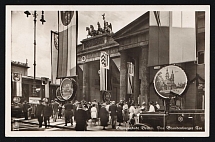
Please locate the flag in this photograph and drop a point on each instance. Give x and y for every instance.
(171, 37)
(17, 84)
(130, 66)
(54, 56)
(67, 28)
(104, 60)
(104, 67)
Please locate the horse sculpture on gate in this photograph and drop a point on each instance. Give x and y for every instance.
(89, 33)
(93, 32)
(100, 30)
(107, 28)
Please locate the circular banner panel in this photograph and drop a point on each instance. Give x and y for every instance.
(16, 99)
(107, 96)
(58, 95)
(68, 88)
(170, 80)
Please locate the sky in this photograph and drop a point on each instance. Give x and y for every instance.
(22, 34)
(21, 29)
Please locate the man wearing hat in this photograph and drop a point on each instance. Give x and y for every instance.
(55, 106)
(113, 114)
(26, 107)
(81, 119)
(39, 113)
(103, 114)
(68, 112)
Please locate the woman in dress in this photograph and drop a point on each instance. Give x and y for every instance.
(151, 107)
(131, 111)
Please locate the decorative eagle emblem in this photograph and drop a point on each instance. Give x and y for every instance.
(16, 76)
(66, 17)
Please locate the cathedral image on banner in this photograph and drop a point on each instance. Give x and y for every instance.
(170, 79)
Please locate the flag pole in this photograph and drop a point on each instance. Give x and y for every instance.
(76, 12)
(106, 80)
(51, 60)
(58, 43)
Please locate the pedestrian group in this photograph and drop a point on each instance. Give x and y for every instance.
(90, 113)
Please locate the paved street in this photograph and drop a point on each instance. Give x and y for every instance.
(32, 125)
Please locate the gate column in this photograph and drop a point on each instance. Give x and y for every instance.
(123, 75)
(85, 81)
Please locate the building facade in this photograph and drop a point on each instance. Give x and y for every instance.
(25, 90)
(131, 45)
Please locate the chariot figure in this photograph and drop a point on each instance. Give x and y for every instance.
(108, 28)
(100, 30)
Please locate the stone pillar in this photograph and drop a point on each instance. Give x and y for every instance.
(123, 75)
(136, 81)
(85, 81)
(144, 75)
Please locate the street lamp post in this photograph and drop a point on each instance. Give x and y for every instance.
(35, 21)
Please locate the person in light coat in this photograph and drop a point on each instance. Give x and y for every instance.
(93, 113)
(151, 107)
(131, 111)
(157, 106)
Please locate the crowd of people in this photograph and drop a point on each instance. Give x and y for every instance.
(91, 113)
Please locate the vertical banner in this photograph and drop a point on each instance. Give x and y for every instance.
(158, 38)
(104, 67)
(182, 37)
(67, 43)
(172, 37)
(54, 56)
(130, 66)
(17, 82)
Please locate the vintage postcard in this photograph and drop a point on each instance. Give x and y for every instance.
(107, 71)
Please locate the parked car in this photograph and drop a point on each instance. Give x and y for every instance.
(16, 110)
(174, 120)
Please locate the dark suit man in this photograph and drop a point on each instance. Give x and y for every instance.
(113, 114)
(81, 119)
(26, 106)
(68, 112)
(39, 113)
(55, 106)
